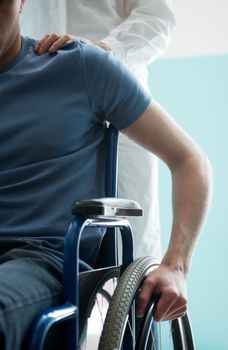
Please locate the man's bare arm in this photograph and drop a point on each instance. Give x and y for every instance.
(191, 192)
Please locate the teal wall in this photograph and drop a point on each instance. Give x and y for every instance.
(195, 92)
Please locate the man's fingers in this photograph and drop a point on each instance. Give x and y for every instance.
(175, 313)
(165, 303)
(144, 297)
(170, 305)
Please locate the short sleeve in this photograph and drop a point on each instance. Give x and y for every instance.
(115, 94)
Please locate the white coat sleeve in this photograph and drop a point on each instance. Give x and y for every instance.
(146, 32)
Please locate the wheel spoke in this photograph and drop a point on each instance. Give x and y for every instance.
(95, 322)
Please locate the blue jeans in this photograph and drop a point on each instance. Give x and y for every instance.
(30, 281)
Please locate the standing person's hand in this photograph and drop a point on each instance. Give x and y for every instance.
(169, 285)
(51, 43)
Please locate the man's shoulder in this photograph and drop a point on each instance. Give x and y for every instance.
(65, 58)
(78, 55)
(82, 52)
(85, 53)
(87, 50)
(90, 58)
(73, 46)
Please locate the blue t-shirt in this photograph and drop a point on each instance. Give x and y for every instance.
(52, 112)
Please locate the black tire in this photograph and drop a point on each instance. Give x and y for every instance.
(121, 310)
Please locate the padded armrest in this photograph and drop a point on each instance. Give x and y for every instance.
(107, 207)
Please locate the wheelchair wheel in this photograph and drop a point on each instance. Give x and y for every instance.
(96, 291)
(123, 331)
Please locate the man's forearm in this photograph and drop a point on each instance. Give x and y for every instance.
(192, 182)
(191, 198)
(156, 131)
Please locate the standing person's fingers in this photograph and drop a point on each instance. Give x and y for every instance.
(44, 47)
(40, 42)
(63, 40)
(51, 43)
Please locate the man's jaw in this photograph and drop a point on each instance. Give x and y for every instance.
(9, 51)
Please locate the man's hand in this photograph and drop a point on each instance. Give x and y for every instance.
(170, 287)
(51, 43)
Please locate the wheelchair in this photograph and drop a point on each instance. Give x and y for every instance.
(91, 290)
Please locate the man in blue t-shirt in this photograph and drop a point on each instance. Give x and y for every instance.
(52, 110)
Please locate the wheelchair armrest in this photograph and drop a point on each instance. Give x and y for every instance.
(107, 207)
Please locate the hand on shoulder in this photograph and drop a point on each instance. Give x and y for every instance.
(52, 42)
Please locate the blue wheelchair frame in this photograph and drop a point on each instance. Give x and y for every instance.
(69, 311)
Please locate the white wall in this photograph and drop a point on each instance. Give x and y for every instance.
(202, 28)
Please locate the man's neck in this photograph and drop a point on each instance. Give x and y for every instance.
(11, 53)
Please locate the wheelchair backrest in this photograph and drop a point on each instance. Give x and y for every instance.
(111, 135)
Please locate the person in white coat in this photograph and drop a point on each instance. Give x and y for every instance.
(136, 32)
